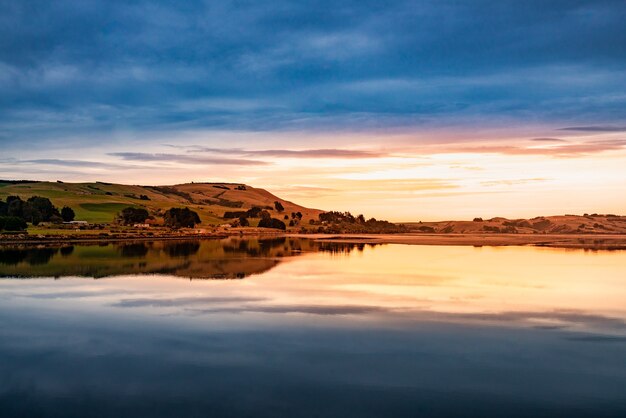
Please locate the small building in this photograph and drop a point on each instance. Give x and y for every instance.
(76, 223)
(141, 226)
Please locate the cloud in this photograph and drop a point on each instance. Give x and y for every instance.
(182, 302)
(548, 140)
(185, 159)
(561, 151)
(512, 182)
(565, 317)
(67, 163)
(595, 338)
(301, 309)
(595, 128)
(306, 153)
(69, 71)
(288, 153)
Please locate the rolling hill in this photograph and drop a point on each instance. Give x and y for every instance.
(561, 224)
(100, 202)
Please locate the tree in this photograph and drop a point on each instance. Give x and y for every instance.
(12, 223)
(265, 215)
(181, 218)
(36, 209)
(67, 214)
(243, 221)
(272, 223)
(279, 206)
(15, 206)
(130, 215)
(41, 207)
(254, 212)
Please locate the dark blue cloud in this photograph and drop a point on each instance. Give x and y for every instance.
(76, 67)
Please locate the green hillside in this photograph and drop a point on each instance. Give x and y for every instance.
(100, 202)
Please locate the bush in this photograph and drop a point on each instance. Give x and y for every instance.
(36, 209)
(67, 214)
(272, 223)
(130, 215)
(40, 208)
(12, 223)
(181, 218)
(243, 222)
(279, 206)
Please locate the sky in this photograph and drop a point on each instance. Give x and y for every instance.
(402, 110)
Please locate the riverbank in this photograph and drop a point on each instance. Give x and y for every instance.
(580, 241)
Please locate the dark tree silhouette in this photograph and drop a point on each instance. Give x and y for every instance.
(130, 215)
(181, 218)
(12, 223)
(272, 223)
(67, 214)
(279, 206)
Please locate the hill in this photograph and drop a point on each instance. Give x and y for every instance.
(100, 202)
(564, 224)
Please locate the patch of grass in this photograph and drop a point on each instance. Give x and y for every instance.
(99, 212)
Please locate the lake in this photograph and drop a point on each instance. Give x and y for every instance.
(290, 327)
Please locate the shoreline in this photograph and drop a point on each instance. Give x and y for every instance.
(573, 241)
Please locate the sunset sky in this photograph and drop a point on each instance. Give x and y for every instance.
(402, 110)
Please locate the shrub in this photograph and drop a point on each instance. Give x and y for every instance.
(181, 218)
(254, 212)
(130, 215)
(235, 214)
(272, 223)
(12, 223)
(67, 214)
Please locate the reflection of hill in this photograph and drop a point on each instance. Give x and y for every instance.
(228, 259)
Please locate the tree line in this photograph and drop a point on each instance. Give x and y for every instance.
(15, 213)
(172, 218)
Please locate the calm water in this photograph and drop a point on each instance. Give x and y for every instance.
(295, 328)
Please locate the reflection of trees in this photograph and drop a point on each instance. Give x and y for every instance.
(133, 250)
(32, 256)
(231, 258)
(181, 249)
(342, 247)
(268, 247)
(41, 256)
(12, 257)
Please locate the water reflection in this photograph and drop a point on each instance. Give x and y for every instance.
(228, 258)
(391, 330)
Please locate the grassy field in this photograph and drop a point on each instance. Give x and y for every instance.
(101, 202)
